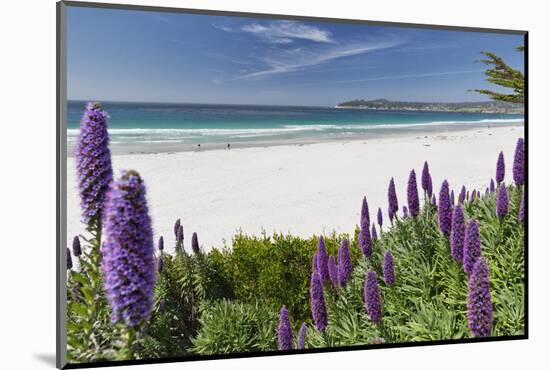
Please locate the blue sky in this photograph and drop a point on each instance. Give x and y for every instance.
(127, 55)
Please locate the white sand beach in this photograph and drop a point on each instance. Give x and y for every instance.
(301, 189)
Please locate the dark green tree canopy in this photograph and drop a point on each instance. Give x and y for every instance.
(503, 75)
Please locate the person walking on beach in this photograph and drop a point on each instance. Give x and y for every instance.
(228, 146)
(199, 147)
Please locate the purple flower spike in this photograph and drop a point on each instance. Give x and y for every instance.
(128, 251)
(302, 336)
(405, 212)
(412, 195)
(161, 244)
(387, 268)
(393, 206)
(502, 201)
(365, 216)
(521, 213)
(365, 241)
(457, 234)
(177, 225)
(322, 259)
(519, 163)
(317, 301)
(480, 308)
(472, 246)
(284, 332)
(69, 260)
(501, 168)
(380, 217)
(333, 271)
(462, 195)
(427, 180)
(77, 249)
(473, 196)
(179, 234)
(434, 200)
(93, 163)
(372, 297)
(314, 267)
(195, 243)
(345, 267)
(445, 211)
(492, 186)
(373, 234)
(160, 264)
(452, 197)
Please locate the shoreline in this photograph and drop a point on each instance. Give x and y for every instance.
(417, 132)
(300, 189)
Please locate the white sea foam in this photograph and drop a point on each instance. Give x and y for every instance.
(167, 135)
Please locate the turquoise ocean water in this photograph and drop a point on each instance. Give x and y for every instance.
(140, 124)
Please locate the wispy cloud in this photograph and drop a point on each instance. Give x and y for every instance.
(284, 32)
(285, 61)
(222, 27)
(394, 77)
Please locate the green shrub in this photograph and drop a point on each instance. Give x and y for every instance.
(231, 327)
(276, 269)
(186, 282)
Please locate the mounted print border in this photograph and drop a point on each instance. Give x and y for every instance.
(116, 287)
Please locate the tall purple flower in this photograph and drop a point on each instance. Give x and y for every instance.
(177, 225)
(161, 243)
(462, 195)
(405, 212)
(365, 241)
(93, 163)
(427, 180)
(128, 260)
(434, 200)
(179, 234)
(372, 297)
(195, 243)
(365, 216)
(393, 206)
(457, 234)
(284, 331)
(519, 163)
(314, 267)
(492, 186)
(344, 263)
(412, 195)
(502, 201)
(322, 259)
(160, 264)
(317, 302)
(445, 210)
(472, 246)
(77, 249)
(473, 195)
(501, 168)
(479, 306)
(69, 260)
(333, 271)
(387, 268)
(373, 233)
(302, 336)
(521, 213)
(380, 217)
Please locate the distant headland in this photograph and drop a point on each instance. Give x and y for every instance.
(467, 107)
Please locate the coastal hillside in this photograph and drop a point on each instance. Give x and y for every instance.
(472, 107)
